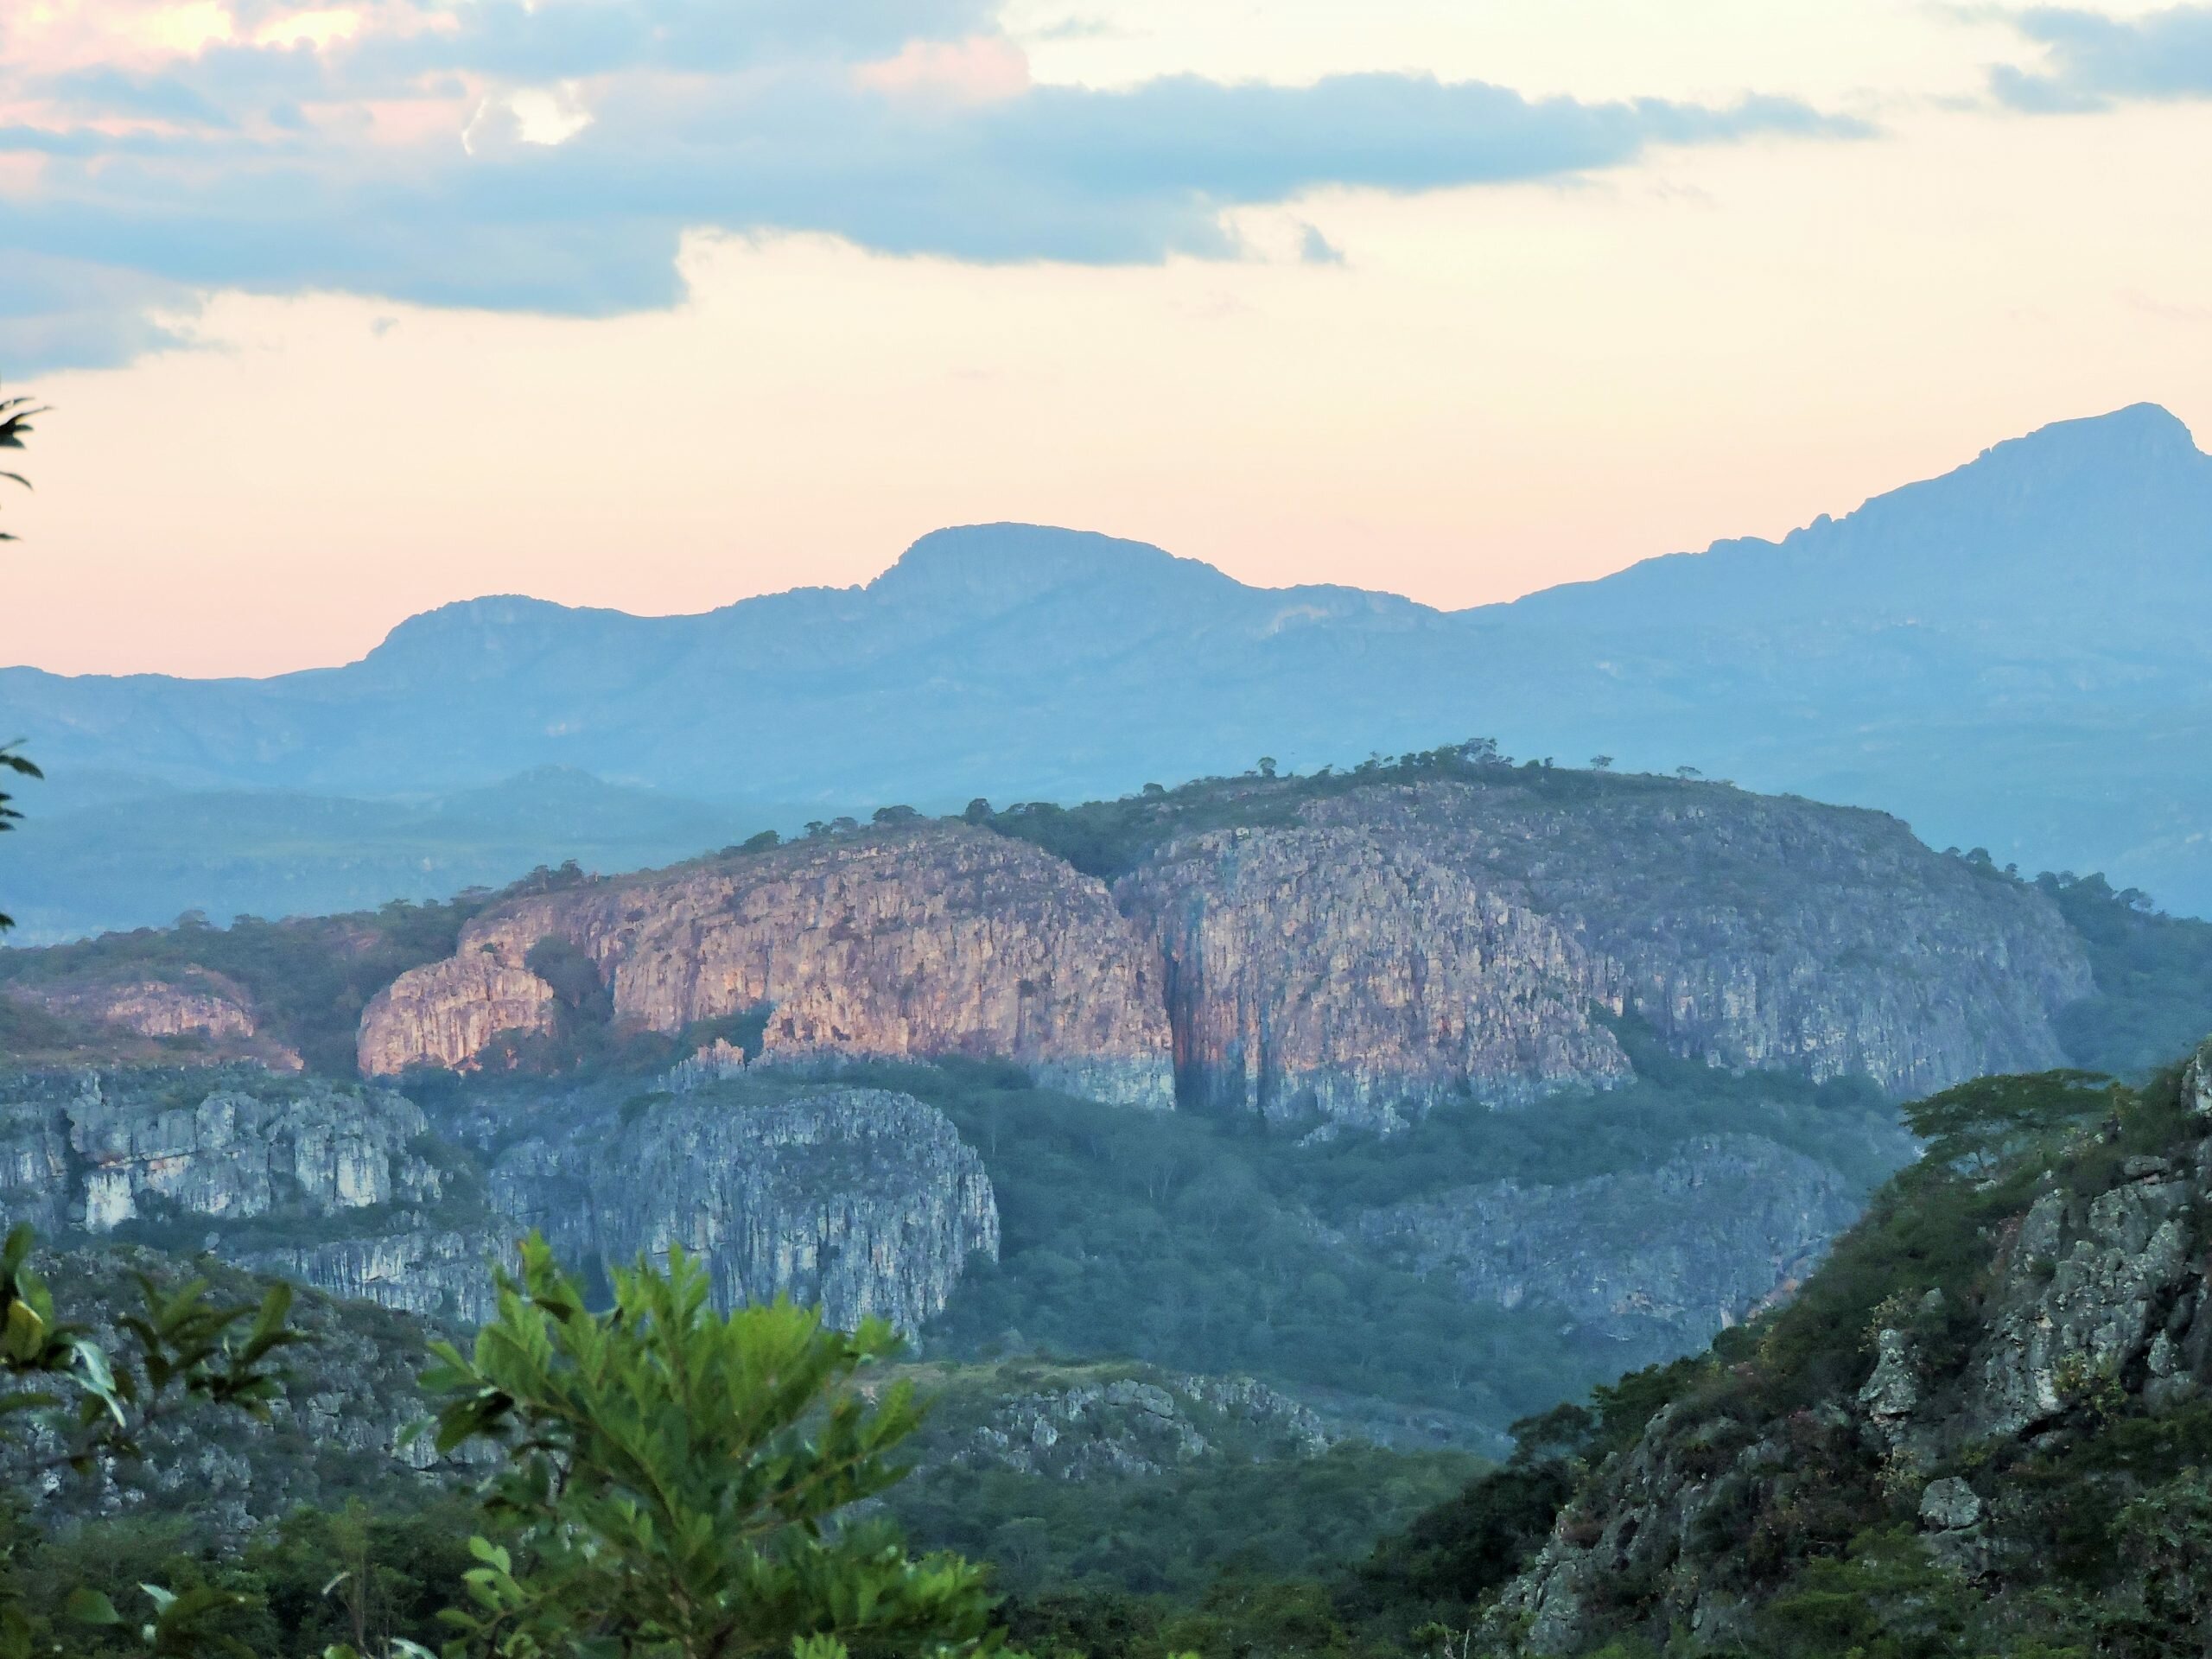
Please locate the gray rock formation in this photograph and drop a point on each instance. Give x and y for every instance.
(416, 1266)
(1660, 1259)
(2197, 1080)
(2087, 1286)
(1138, 1425)
(2088, 1307)
(864, 1202)
(96, 1151)
(237, 1155)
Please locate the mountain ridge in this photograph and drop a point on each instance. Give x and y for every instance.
(1990, 653)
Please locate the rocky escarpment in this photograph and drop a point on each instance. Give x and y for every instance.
(1330, 972)
(913, 943)
(1345, 956)
(864, 1202)
(447, 1013)
(1143, 1423)
(1411, 940)
(1657, 1260)
(95, 1151)
(416, 1265)
(2014, 1373)
(192, 1003)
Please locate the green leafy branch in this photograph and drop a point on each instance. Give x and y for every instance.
(672, 1474)
(84, 1407)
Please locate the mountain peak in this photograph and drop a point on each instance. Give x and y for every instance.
(2139, 437)
(992, 567)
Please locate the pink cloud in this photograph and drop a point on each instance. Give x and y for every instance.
(980, 69)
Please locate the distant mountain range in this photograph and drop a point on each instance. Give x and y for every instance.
(2015, 655)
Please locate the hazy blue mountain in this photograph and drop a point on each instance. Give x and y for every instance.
(2011, 655)
(131, 860)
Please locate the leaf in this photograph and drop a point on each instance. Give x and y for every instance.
(90, 1607)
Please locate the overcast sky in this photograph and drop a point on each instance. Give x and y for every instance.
(350, 309)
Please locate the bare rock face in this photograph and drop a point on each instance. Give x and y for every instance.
(326, 1184)
(416, 1266)
(1658, 1259)
(192, 1001)
(195, 1002)
(445, 1014)
(1351, 960)
(863, 1202)
(1758, 931)
(2196, 1079)
(236, 1155)
(1343, 973)
(917, 943)
(2087, 1288)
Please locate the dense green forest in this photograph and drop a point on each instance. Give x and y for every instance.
(1193, 1242)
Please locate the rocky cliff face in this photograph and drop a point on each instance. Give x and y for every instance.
(902, 944)
(196, 1001)
(1349, 957)
(1753, 931)
(237, 1155)
(1985, 1415)
(864, 1202)
(1330, 971)
(1657, 1260)
(98, 1151)
(193, 1002)
(445, 1014)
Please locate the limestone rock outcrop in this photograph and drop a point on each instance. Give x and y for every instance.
(209, 1011)
(99, 1152)
(445, 1012)
(1656, 1260)
(2196, 1079)
(863, 1202)
(1337, 973)
(1762, 930)
(2088, 1287)
(1346, 959)
(2073, 1326)
(194, 1001)
(912, 943)
(414, 1265)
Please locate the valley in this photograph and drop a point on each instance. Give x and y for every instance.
(1140, 1119)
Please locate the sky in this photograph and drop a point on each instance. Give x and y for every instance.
(349, 308)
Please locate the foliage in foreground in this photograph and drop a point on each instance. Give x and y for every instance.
(672, 1479)
(77, 1407)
